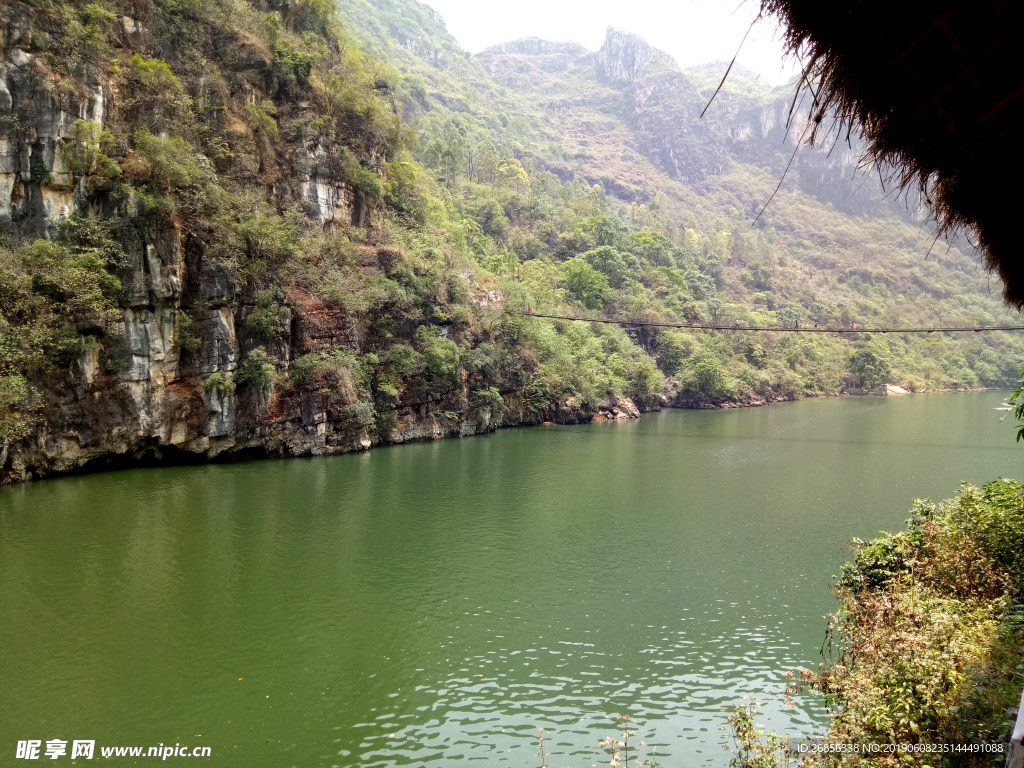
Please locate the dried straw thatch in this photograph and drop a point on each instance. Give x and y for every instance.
(936, 88)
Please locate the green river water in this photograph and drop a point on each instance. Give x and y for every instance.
(437, 603)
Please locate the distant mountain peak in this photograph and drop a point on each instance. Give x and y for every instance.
(536, 46)
(626, 57)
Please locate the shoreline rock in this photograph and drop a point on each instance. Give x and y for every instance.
(295, 427)
(312, 433)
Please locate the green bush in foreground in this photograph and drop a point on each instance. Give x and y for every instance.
(931, 627)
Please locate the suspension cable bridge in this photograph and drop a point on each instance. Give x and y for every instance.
(774, 329)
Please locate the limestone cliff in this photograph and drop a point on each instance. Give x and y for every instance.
(158, 376)
(666, 107)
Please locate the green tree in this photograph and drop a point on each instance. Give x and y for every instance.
(708, 375)
(613, 264)
(869, 368)
(585, 283)
(609, 231)
(789, 315)
(652, 247)
(256, 371)
(511, 173)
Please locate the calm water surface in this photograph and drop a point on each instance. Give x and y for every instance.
(438, 603)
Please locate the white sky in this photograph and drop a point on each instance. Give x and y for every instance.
(691, 31)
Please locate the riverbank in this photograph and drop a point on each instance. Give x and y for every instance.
(700, 401)
(299, 425)
(930, 637)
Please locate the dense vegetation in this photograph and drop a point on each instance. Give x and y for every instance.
(203, 139)
(929, 637)
(483, 199)
(545, 164)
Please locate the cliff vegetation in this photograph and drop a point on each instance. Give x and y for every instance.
(271, 227)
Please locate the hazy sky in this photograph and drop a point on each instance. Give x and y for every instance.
(692, 31)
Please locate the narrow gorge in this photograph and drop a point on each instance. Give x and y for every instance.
(261, 229)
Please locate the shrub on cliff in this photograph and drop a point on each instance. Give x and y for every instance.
(393, 367)
(271, 318)
(16, 417)
(87, 154)
(256, 371)
(335, 373)
(218, 382)
(53, 290)
(441, 355)
(170, 161)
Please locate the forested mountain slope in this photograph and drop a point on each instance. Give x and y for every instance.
(627, 179)
(261, 227)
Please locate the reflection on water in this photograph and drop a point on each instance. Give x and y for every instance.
(440, 602)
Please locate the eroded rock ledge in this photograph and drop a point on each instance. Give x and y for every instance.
(292, 427)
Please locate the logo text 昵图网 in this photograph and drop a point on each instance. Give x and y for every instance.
(86, 749)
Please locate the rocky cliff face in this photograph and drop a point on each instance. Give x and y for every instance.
(627, 59)
(161, 379)
(663, 105)
(766, 134)
(548, 56)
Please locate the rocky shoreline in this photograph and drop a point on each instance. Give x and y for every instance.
(294, 427)
(302, 429)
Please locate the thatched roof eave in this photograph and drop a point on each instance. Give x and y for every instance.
(936, 90)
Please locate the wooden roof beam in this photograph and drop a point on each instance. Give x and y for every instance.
(934, 100)
(940, 19)
(1001, 103)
